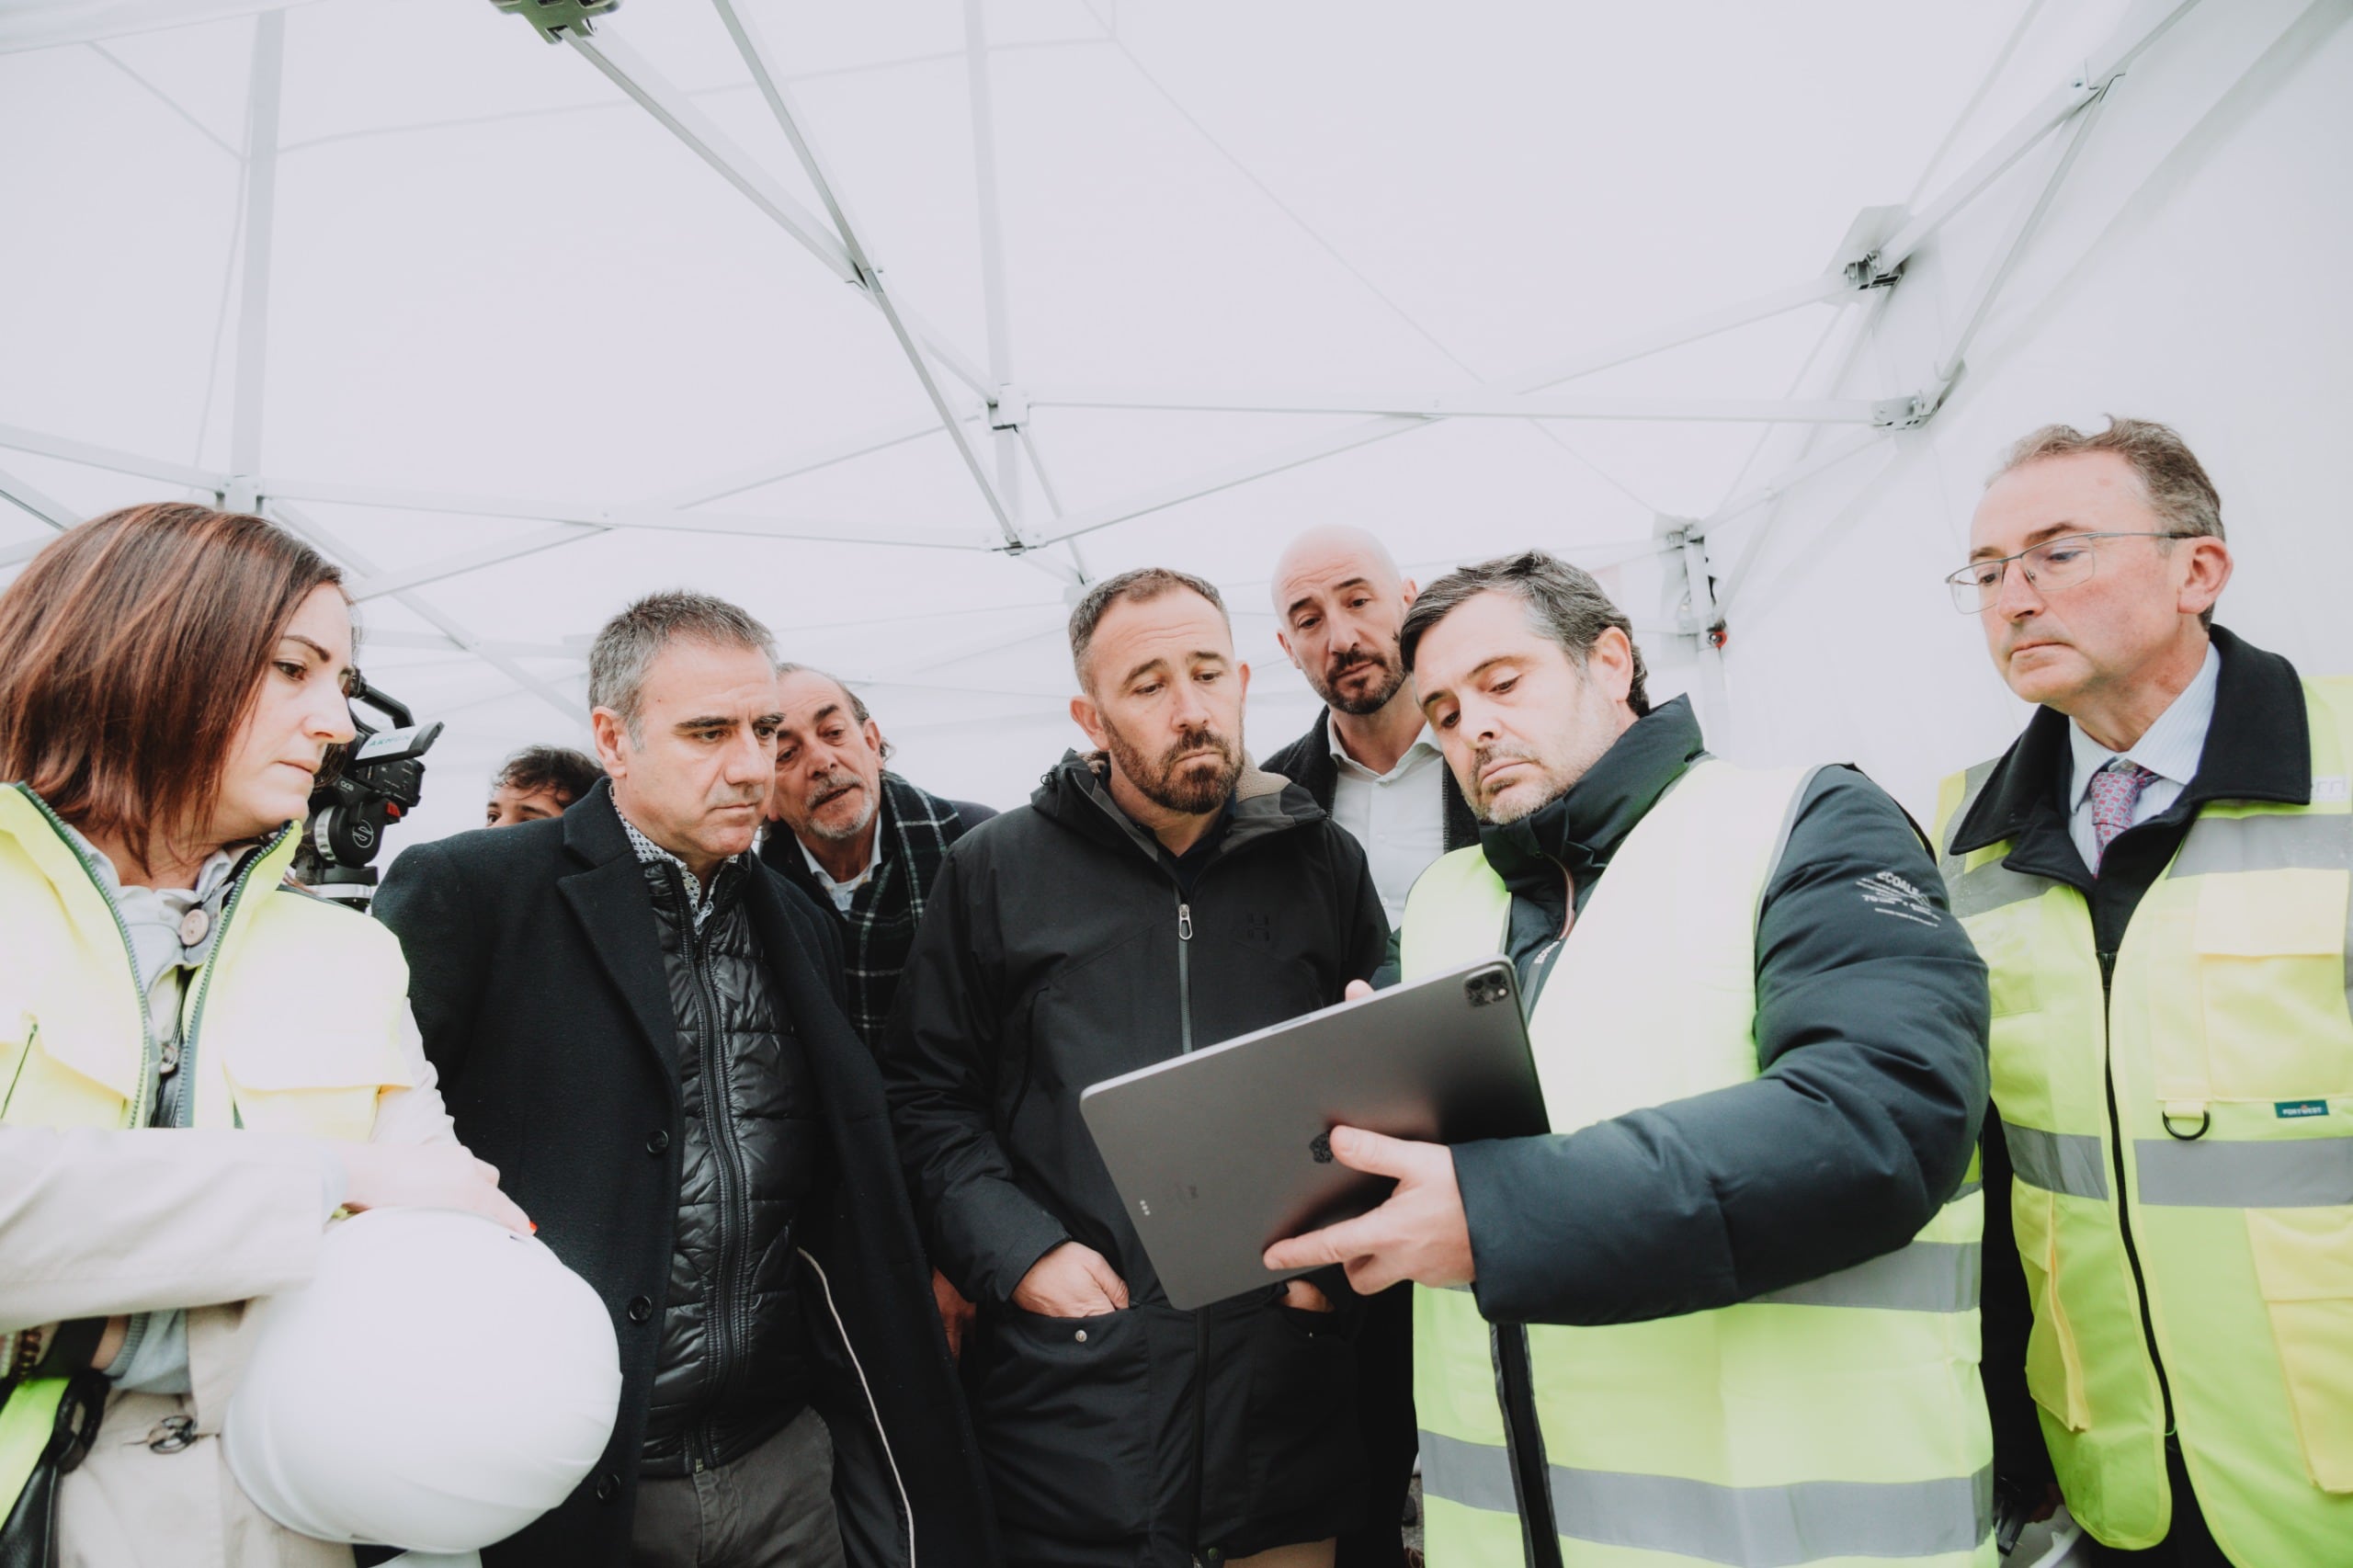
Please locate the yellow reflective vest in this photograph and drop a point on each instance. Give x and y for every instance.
(2183, 1143)
(292, 1025)
(1839, 1420)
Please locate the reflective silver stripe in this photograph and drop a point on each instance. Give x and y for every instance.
(2286, 843)
(1752, 1527)
(1473, 1475)
(2302, 1173)
(1775, 1527)
(1993, 886)
(1925, 1276)
(2058, 1162)
(1973, 784)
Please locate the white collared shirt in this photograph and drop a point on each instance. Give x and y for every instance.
(1399, 816)
(843, 894)
(2170, 748)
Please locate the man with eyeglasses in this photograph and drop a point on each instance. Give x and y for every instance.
(2156, 874)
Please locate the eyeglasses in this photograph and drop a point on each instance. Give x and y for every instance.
(2054, 563)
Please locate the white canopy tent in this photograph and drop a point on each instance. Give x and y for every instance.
(897, 324)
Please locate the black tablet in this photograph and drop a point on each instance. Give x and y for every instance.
(1220, 1153)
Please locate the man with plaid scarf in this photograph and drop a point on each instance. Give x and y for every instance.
(860, 841)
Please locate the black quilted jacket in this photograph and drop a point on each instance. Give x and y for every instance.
(734, 1363)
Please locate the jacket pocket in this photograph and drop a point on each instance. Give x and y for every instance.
(1063, 1414)
(2271, 985)
(2304, 1263)
(2054, 1367)
(1303, 1438)
(314, 1080)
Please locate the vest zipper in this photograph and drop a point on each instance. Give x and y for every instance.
(1184, 976)
(2123, 1207)
(734, 1212)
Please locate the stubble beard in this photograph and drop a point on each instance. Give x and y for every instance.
(1164, 784)
(1374, 697)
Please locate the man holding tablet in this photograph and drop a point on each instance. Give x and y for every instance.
(1727, 1311)
(1157, 896)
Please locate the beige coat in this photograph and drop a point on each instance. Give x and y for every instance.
(204, 1219)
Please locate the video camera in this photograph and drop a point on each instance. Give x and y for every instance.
(380, 779)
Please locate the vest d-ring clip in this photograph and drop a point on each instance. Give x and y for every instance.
(2181, 1112)
(172, 1434)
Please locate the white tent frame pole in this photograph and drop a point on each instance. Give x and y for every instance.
(48, 508)
(265, 90)
(1487, 405)
(659, 98)
(16, 438)
(1006, 437)
(335, 545)
(2100, 70)
(659, 519)
(793, 465)
(747, 45)
(2015, 243)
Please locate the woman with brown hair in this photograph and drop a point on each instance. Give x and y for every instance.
(198, 1062)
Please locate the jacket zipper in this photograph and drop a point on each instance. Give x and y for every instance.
(1200, 1315)
(906, 1509)
(719, 1129)
(1184, 976)
(2123, 1216)
(186, 1110)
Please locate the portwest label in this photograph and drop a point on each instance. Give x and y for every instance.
(2290, 1110)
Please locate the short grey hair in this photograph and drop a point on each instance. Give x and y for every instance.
(628, 645)
(1564, 602)
(2172, 477)
(1141, 585)
(856, 703)
(2173, 481)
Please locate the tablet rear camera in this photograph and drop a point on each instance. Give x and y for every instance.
(1319, 1148)
(1487, 987)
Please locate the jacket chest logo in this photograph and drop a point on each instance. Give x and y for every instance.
(1258, 930)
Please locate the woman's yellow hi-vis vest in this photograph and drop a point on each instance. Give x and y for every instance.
(292, 1025)
(2214, 1093)
(1840, 1421)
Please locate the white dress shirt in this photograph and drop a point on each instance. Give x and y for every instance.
(1399, 816)
(2170, 748)
(843, 894)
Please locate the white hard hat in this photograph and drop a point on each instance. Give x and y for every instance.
(439, 1383)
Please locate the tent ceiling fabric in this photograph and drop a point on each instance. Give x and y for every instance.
(1477, 278)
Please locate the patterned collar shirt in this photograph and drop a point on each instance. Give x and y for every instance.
(2170, 748)
(650, 853)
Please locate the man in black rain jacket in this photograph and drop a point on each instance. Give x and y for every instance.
(1153, 898)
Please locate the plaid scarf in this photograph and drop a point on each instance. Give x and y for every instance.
(879, 927)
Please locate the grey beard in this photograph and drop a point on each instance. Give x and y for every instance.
(843, 834)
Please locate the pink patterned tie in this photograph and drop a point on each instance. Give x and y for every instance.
(2116, 788)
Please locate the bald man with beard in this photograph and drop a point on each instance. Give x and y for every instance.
(1370, 761)
(1369, 758)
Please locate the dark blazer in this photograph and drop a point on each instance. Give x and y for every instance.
(539, 985)
(1307, 762)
